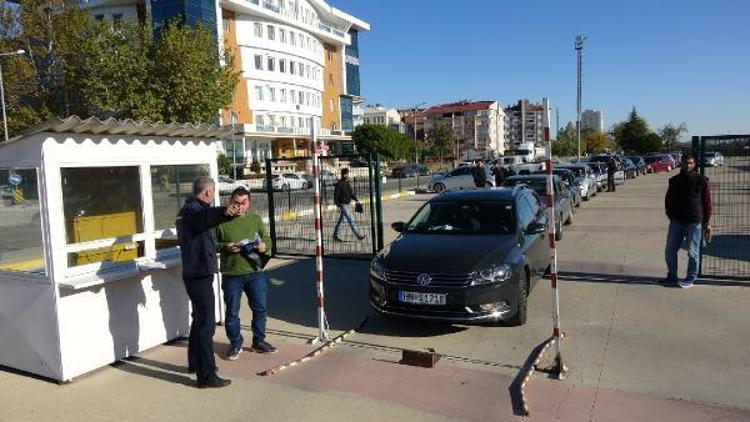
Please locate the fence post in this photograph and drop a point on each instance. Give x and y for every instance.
(271, 208)
(371, 191)
(378, 202)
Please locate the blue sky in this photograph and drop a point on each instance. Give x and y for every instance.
(676, 61)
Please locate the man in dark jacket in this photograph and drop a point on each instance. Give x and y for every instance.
(480, 175)
(688, 206)
(611, 170)
(500, 173)
(195, 223)
(342, 197)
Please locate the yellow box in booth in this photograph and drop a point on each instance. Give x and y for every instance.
(89, 228)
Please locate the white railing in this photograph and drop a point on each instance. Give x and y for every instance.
(287, 130)
(292, 14)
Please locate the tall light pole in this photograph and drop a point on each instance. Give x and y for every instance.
(2, 87)
(579, 52)
(416, 147)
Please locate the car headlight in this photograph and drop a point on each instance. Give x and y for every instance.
(495, 274)
(377, 269)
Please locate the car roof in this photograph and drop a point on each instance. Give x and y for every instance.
(477, 194)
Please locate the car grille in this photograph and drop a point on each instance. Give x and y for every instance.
(438, 280)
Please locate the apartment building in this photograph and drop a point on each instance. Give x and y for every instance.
(592, 120)
(524, 124)
(478, 127)
(413, 119)
(382, 116)
(299, 63)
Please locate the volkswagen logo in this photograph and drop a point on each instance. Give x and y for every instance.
(424, 279)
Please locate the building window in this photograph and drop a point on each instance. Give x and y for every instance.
(282, 35)
(271, 32)
(291, 97)
(331, 104)
(333, 125)
(292, 38)
(282, 95)
(307, 71)
(282, 65)
(260, 120)
(308, 99)
(329, 55)
(258, 30)
(330, 79)
(292, 67)
(259, 62)
(170, 186)
(294, 96)
(225, 24)
(271, 94)
(271, 64)
(259, 93)
(301, 69)
(301, 98)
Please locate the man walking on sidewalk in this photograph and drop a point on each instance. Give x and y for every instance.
(688, 206)
(342, 197)
(195, 224)
(611, 170)
(480, 174)
(242, 272)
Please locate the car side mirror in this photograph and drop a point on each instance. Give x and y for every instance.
(399, 226)
(536, 228)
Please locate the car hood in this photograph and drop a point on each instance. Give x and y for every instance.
(437, 253)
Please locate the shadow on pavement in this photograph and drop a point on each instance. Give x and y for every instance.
(587, 277)
(153, 369)
(730, 246)
(292, 298)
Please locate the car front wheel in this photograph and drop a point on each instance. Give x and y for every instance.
(523, 295)
(439, 187)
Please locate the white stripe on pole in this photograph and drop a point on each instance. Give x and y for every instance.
(315, 148)
(559, 366)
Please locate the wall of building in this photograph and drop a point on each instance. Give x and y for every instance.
(240, 102)
(332, 88)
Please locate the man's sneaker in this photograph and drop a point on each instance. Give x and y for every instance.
(263, 347)
(233, 353)
(686, 284)
(213, 382)
(668, 282)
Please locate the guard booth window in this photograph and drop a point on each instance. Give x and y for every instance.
(103, 203)
(21, 248)
(170, 186)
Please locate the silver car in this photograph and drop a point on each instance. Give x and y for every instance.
(461, 177)
(585, 179)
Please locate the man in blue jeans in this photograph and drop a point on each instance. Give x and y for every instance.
(342, 197)
(242, 272)
(688, 206)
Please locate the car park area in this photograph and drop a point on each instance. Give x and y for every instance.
(635, 350)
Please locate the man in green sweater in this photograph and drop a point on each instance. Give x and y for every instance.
(242, 271)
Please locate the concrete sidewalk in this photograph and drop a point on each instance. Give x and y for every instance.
(636, 351)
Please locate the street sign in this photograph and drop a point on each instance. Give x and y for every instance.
(14, 178)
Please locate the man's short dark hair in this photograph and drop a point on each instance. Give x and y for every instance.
(240, 191)
(688, 155)
(344, 171)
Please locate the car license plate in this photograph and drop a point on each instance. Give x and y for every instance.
(422, 298)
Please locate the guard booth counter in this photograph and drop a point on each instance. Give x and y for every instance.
(90, 270)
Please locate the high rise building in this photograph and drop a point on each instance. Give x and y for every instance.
(478, 127)
(592, 120)
(524, 124)
(299, 59)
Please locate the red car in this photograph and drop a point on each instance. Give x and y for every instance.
(657, 163)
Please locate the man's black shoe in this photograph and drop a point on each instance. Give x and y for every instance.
(213, 382)
(263, 347)
(190, 370)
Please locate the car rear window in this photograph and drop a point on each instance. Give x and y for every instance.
(464, 217)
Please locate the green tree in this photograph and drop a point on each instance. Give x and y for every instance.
(632, 134)
(670, 134)
(386, 141)
(225, 165)
(652, 142)
(596, 142)
(566, 144)
(440, 141)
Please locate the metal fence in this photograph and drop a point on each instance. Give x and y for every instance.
(291, 214)
(725, 160)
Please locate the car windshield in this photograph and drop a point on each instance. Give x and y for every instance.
(710, 154)
(538, 185)
(466, 217)
(577, 171)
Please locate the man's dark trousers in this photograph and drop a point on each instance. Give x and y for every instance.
(201, 344)
(610, 183)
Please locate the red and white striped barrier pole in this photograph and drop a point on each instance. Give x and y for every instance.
(559, 366)
(322, 321)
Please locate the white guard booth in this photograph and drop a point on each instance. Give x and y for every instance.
(90, 271)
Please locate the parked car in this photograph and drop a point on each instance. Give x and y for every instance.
(289, 181)
(227, 185)
(327, 178)
(465, 256)
(584, 179)
(713, 159)
(563, 203)
(409, 170)
(569, 183)
(656, 163)
(601, 176)
(462, 177)
(639, 162)
(669, 159)
(602, 160)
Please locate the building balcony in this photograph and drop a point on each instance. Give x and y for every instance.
(250, 129)
(291, 14)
